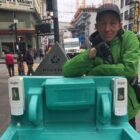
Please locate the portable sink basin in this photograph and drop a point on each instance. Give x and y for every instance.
(59, 108)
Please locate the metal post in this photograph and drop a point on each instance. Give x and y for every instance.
(55, 20)
(16, 37)
(15, 30)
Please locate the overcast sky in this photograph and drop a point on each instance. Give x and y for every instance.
(66, 8)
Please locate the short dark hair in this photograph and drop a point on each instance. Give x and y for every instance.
(29, 46)
(107, 8)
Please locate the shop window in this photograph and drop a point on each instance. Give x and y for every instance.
(131, 13)
(127, 2)
(8, 47)
(126, 15)
(130, 27)
(132, 1)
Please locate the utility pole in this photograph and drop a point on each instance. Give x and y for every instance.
(13, 29)
(15, 20)
(16, 36)
(55, 19)
(52, 6)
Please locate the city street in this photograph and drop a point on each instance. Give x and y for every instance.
(4, 101)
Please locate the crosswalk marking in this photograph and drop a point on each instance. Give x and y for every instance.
(5, 72)
(25, 67)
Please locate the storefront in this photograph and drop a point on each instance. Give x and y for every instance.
(8, 41)
(25, 17)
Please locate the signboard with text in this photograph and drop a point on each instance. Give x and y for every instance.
(22, 5)
(136, 17)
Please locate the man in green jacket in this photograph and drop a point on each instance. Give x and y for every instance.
(114, 52)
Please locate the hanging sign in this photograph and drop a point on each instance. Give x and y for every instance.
(136, 17)
(22, 5)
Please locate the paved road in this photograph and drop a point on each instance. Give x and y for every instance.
(4, 102)
(4, 98)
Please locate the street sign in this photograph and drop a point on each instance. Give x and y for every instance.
(43, 28)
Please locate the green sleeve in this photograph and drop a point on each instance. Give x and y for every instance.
(128, 66)
(77, 66)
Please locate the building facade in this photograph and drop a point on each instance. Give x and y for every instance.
(130, 14)
(83, 24)
(64, 31)
(112, 1)
(17, 25)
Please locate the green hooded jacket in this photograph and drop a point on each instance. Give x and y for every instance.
(125, 52)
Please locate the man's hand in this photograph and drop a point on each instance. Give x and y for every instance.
(92, 53)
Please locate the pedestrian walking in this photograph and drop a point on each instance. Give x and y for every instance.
(48, 48)
(29, 60)
(34, 53)
(41, 55)
(20, 62)
(9, 61)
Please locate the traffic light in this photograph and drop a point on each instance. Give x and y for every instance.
(20, 39)
(12, 27)
(43, 28)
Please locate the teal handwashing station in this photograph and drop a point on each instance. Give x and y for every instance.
(58, 108)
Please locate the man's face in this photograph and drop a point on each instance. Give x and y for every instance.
(108, 25)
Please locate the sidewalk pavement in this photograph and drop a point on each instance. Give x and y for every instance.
(2, 61)
(4, 71)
